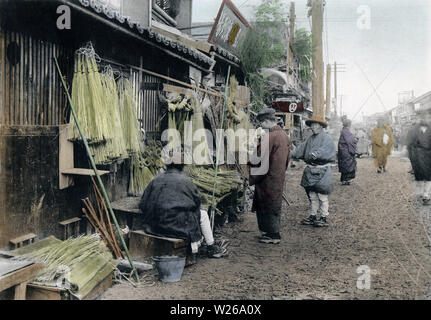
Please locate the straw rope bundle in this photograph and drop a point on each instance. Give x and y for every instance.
(129, 121)
(203, 178)
(140, 175)
(77, 260)
(88, 98)
(179, 111)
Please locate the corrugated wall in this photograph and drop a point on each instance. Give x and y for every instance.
(148, 110)
(31, 88)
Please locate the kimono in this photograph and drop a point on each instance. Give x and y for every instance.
(170, 207)
(270, 186)
(317, 176)
(347, 155)
(381, 151)
(419, 148)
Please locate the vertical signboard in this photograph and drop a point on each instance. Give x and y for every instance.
(229, 28)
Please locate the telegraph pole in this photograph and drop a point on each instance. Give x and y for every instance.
(291, 39)
(328, 91)
(289, 69)
(317, 43)
(335, 89)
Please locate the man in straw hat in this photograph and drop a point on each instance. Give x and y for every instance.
(269, 184)
(419, 149)
(318, 152)
(171, 207)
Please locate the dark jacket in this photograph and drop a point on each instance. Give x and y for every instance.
(270, 186)
(419, 148)
(317, 176)
(170, 206)
(347, 152)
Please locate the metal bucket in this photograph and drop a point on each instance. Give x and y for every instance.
(170, 268)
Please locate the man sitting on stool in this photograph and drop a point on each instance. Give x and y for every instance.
(171, 207)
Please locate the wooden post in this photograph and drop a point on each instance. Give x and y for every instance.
(328, 91)
(290, 61)
(317, 43)
(335, 89)
(290, 77)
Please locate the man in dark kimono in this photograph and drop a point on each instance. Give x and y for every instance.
(170, 207)
(419, 149)
(318, 152)
(347, 154)
(269, 184)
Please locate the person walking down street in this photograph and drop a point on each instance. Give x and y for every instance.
(347, 154)
(318, 152)
(419, 150)
(269, 182)
(383, 142)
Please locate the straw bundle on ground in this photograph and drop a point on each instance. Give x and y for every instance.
(77, 264)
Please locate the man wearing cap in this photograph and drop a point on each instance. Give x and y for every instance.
(274, 150)
(318, 152)
(419, 149)
(347, 153)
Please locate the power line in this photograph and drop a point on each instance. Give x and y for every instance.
(243, 3)
(372, 94)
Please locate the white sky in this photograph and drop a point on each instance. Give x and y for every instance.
(399, 41)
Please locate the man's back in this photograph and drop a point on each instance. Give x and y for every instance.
(171, 206)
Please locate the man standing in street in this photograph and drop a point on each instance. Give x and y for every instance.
(318, 152)
(419, 149)
(383, 142)
(269, 185)
(347, 154)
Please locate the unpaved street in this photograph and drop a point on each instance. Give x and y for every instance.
(373, 224)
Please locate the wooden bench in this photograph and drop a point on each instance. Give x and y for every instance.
(21, 241)
(18, 276)
(143, 246)
(69, 226)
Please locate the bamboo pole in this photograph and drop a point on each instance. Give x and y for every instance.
(93, 165)
(221, 137)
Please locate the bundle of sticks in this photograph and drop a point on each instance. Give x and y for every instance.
(101, 221)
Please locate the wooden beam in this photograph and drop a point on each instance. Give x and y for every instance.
(175, 89)
(199, 45)
(155, 74)
(20, 291)
(83, 172)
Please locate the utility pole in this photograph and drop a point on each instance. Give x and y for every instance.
(290, 61)
(335, 89)
(317, 43)
(290, 77)
(328, 91)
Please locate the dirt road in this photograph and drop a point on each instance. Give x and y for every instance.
(373, 225)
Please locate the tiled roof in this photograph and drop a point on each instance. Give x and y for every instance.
(226, 54)
(145, 32)
(201, 31)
